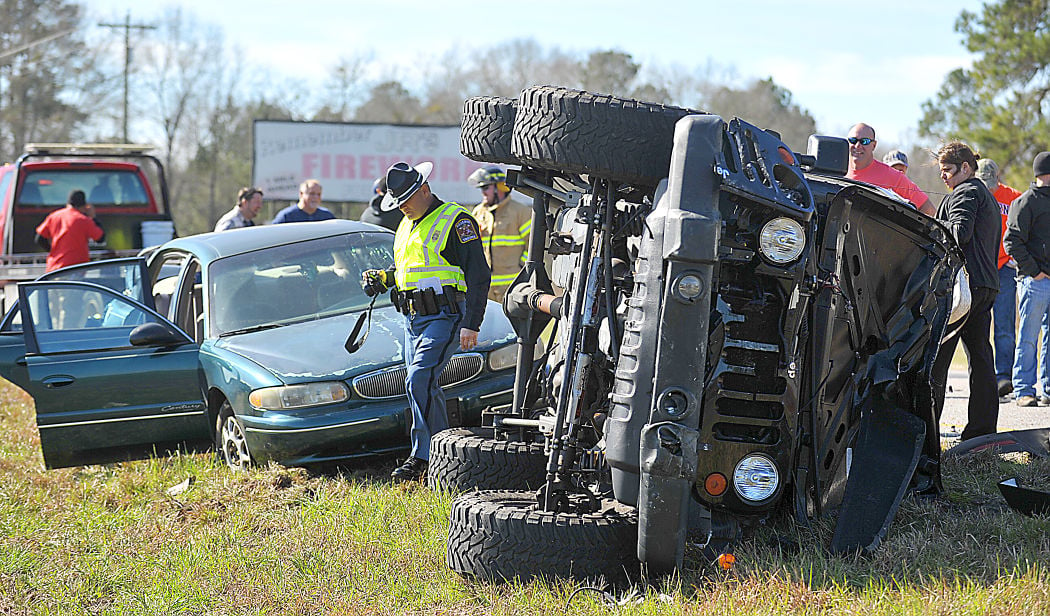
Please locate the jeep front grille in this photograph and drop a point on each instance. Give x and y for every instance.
(390, 382)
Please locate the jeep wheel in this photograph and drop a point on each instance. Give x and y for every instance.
(230, 444)
(488, 122)
(465, 459)
(499, 536)
(600, 135)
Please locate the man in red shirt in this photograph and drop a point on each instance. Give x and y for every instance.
(1005, 307)
(65, 233)
(863, 167)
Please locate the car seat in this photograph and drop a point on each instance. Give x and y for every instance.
(30, 195)
(101, 193)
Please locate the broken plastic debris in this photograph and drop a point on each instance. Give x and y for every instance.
(182, 486)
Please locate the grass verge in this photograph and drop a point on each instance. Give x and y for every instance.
(111, 540)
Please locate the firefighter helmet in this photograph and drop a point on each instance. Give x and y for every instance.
(489, 174)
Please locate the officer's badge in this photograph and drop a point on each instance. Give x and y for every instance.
(466, 231)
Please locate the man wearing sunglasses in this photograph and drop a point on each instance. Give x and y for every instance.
(863, 167)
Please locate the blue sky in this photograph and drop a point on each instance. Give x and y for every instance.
(843, 61)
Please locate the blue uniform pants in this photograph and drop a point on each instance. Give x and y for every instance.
(430, 342)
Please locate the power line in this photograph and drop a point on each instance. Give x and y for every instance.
(7, 53)
(127, 26)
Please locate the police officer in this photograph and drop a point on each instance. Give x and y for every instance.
(440, 281)
(505, 225)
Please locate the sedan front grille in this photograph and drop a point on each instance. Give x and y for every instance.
(390, 382)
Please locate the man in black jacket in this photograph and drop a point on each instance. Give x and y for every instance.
(374, 212)
(972, 215)
(1026, 240)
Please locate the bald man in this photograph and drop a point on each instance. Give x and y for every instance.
(864, 168)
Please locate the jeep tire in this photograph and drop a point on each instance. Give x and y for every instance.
(463, 459)
(499, 536)
(604, 136)
(488, 123)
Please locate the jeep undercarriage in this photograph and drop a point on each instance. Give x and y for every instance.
(739, 331)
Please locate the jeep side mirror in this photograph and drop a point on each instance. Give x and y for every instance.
(155, 334)
(826, 154)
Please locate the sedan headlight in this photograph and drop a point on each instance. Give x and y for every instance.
(755, 478)
(782, 240)
(503, 358)
(298, 396)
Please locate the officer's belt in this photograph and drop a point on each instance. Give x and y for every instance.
(425, 302)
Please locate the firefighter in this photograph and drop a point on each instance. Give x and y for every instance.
(505, 226)
(440, 280)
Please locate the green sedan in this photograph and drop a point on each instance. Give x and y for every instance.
(236, 338)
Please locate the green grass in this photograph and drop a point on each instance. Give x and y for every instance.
(110, 540)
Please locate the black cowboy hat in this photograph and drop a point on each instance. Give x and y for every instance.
(402, 181)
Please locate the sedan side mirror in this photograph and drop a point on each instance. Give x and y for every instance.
(155, 334)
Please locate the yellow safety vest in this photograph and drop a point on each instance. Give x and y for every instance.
(417, 251)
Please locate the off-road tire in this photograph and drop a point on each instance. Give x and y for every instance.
(498, 536)
(463, 459)
(488, 123)
(600, 135)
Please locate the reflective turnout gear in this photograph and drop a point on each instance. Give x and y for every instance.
(505, 232)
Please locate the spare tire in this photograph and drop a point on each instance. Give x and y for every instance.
(613, 138)
(463, 459)
(499, 536)
(485, 133)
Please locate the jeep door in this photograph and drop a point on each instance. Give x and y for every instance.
(103, 394)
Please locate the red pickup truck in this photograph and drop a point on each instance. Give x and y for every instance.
(124, 182)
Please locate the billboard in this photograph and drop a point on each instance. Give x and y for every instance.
(347, 158)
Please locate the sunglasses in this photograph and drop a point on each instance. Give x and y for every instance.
(862, 140)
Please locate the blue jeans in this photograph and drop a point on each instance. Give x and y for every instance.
(430, 342)
(1003, 312)
(1033, 303)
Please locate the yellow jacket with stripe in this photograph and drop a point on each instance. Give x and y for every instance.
(505, 231)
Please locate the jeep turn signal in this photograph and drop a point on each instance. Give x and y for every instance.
(726, 561)
(715, 484)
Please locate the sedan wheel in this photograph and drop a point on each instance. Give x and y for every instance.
(230, 444)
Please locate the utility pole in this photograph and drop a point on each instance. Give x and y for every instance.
(127, 26)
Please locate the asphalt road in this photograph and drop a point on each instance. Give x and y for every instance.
(1011, 416)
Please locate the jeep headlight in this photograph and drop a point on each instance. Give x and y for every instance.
(782, 240)
(755, 478)
(298, 396)
(503, 358)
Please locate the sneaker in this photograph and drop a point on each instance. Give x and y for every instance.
(1005, 387)
(413, 469)
(1044, 400)
(1027, 401)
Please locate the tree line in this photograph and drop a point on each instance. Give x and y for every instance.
(195, 96)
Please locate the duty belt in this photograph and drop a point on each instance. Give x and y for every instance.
(425, 302)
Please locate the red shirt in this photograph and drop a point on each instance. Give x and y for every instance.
(69, 232)
(1005, 196)
(881, 174)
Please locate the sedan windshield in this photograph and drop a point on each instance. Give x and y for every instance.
(297, 282)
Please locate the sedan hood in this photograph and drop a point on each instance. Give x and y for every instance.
(315, 350)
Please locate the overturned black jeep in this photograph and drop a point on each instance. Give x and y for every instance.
(740, 331)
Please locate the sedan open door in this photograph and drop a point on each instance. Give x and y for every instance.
(115, 382)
